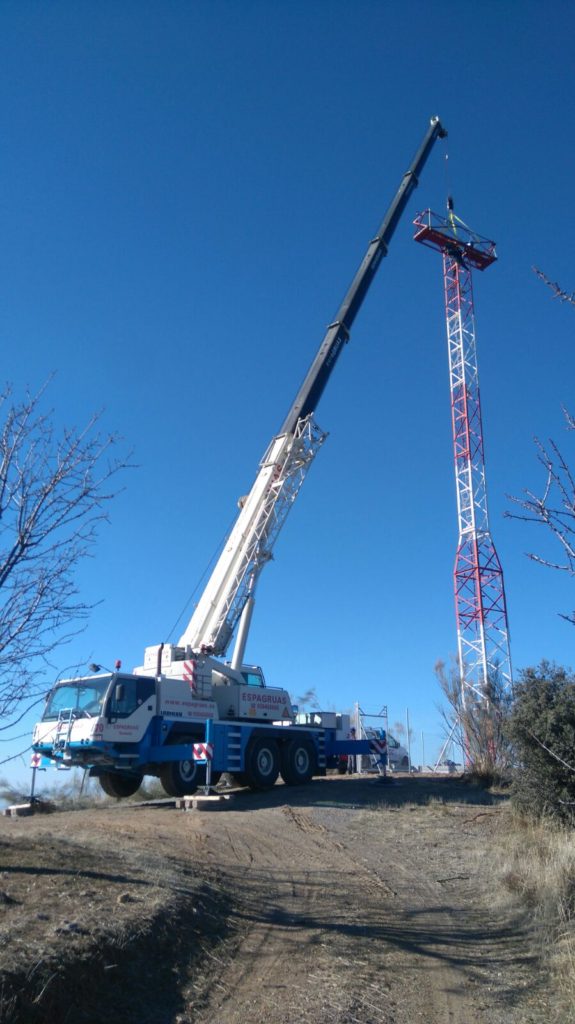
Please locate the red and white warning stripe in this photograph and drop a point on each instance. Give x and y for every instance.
(203, 751)
(190, 676)
(35, 760)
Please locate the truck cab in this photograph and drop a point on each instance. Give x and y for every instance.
(84, 718)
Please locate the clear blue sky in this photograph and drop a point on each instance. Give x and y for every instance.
(186, 191)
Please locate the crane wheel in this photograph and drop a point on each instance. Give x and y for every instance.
(262, 763)
(181, 778)
(298, 761)
(119, 786)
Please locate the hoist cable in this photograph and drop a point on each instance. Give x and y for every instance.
(210, 563)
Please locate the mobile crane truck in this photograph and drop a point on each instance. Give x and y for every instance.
(186, 707)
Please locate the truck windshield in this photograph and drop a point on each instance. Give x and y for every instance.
(85, 697)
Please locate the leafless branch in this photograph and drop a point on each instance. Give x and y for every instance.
(480, 721)
(551, 752)
(554, 508)
(54, 493)
(15, 757)
(558, 292)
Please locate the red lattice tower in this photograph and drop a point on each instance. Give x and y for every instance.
(480, 606)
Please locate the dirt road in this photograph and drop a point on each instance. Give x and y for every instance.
(339, 902)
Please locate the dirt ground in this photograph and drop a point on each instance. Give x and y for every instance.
(342, 902)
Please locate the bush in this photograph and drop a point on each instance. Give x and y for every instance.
(541, 727)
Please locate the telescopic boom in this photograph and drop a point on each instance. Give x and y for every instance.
(230, 590)
(338, 332)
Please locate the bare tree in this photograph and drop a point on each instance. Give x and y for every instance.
(478, 724)
(54, 491)
(554, 508)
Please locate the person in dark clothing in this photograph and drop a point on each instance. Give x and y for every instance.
(351, 758)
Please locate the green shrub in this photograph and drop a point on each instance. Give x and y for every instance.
(541, 727)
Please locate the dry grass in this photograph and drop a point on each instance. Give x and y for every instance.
(74, 792)
(536, 862)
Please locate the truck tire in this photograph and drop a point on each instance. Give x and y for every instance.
(262, 763)
(298, 761)
(118, 785)
(182, 778)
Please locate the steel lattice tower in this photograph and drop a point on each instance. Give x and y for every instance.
(480, 606)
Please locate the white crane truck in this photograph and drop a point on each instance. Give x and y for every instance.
(186, 706)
